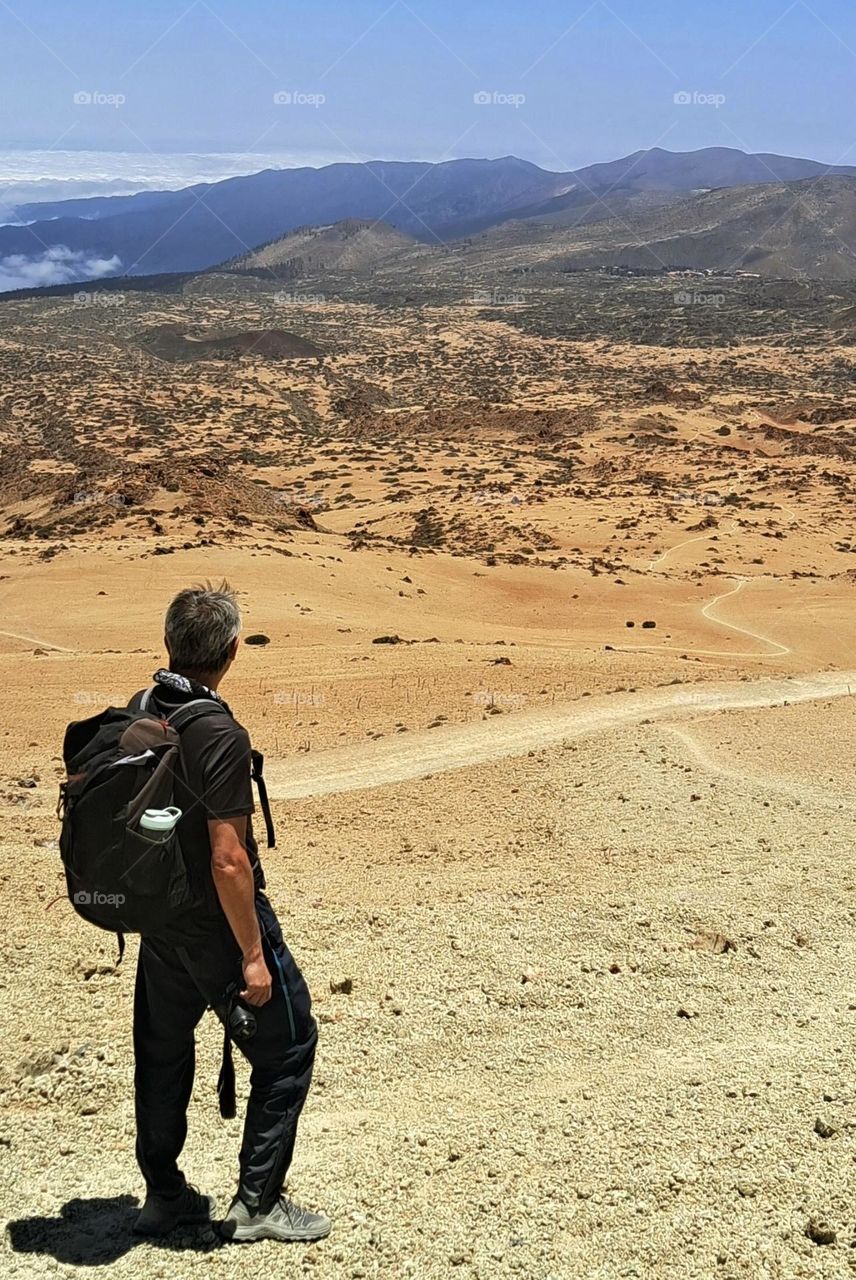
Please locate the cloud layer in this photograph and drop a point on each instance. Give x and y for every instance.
(57, 265)
(29, 176)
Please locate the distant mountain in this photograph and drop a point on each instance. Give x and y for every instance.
(648, 179)
(659, 170)
(788, 230)
(208, 224)
(90, 207)
(203, 225)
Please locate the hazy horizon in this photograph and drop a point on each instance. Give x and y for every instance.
(433, 80)
(31, 176)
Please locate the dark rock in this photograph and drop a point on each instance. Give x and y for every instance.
(258, 638)
(820, 1232)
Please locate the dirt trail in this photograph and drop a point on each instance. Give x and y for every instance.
(43, 644)
(781, 649)
(664, 555)
(778, 650)
(805, 792)
(688, 542)
(457, 746)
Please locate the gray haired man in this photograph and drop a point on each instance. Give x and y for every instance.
(227, 950)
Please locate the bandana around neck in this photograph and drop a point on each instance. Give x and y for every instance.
(183, 684)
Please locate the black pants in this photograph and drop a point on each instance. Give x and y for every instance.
(175, 984)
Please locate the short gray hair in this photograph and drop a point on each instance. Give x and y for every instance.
(200, 627)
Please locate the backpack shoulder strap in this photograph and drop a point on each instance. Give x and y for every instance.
(190, 711)
(257, 773)
(140, 701)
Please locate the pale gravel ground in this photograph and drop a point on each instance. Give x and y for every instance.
(465, 1122)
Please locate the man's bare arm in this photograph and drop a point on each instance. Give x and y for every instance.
(233, 880)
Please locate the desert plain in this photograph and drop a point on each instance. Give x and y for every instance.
(555, 592)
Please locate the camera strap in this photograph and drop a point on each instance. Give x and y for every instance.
(226, 1080)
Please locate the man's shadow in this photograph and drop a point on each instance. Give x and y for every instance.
(94, 1232)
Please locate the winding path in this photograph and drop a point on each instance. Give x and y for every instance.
(652, 564)
(778, 650)
(429, 751)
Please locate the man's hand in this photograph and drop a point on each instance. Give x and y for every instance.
(258, 980)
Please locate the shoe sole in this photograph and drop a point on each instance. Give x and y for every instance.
(249, 1234)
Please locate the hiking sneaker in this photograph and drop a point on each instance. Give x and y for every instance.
(159, 1216)
(285, 1221)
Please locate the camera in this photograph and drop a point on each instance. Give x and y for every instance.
(239, 1019)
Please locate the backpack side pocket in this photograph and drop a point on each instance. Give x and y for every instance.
(155, 874)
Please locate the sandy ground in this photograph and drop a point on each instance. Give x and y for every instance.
(548, 1066)
(579, 833)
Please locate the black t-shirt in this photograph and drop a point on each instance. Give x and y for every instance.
(213, 782)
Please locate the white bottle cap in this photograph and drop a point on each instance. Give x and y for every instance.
(160, 819)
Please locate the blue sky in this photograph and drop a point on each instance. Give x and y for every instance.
(567, 83)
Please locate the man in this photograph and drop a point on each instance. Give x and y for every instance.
(232, 942)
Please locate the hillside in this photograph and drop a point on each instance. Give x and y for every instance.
(351, 246)
(790, 230)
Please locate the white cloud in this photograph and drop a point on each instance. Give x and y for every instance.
(47, 176)
(57, 265)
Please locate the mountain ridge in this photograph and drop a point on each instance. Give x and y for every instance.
(209, 225)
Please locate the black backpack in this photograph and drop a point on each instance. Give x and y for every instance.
(120, 763)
